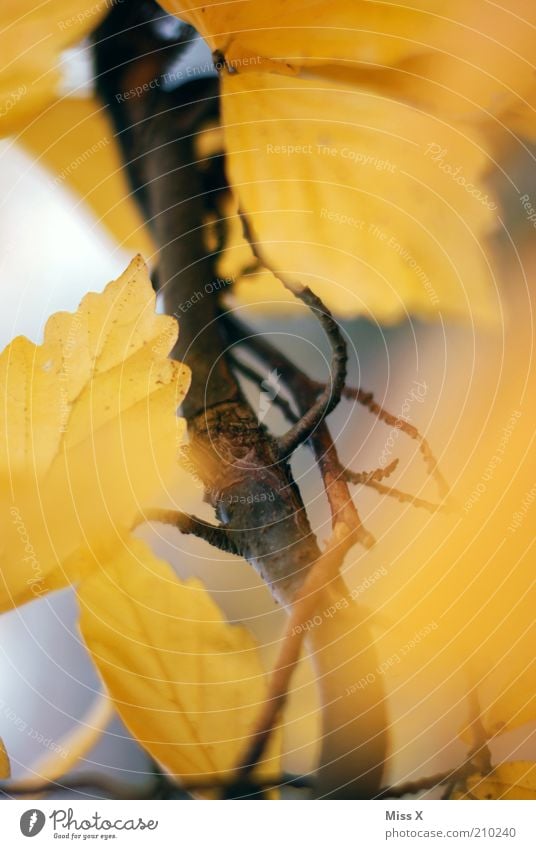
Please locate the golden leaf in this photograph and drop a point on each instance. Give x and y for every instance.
(445, 58)
(89, 434)
(32, 36)
(5, 766)
(458, 74)
(381, 209)
(514, 780)
(349, 70)
(74, 139)
(186, 683)
(310, 33)
(514, 701)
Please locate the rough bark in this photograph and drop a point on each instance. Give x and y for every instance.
(237, 458)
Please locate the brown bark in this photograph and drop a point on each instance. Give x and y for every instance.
(238, 460)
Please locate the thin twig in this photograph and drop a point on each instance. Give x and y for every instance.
(257, 378)
(479, 753)
(160, 787)
(411, 788)
(304, 391)
(331, 393)
(303, 607)
(367, 400)
(374, 478)
(216, 535)
(366, 477)
(404, 497)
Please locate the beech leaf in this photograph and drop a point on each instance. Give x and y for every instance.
(186, 683)
(89, 434)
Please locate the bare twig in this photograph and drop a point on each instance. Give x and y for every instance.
(403, 497)
(479, 753)
(216, 535)
(431, 782)
(330, 393)
(478, 761)
(303, 607)
(304, 391)
(257, 378)
(160, 786)
(367, 400)
(366, 477)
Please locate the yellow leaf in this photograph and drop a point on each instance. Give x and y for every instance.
(32, 36)
(5, 766)
(515, 703)
(445, 57)
(89, 434)
(515, 780)
(310, 33)
(186, 683)
(74, 139)
(481, 64)
(380, 208)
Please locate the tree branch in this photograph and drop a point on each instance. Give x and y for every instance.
(216, 535)
(331, 393)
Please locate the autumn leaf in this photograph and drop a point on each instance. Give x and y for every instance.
(74, 140)
(5, 766)
(186, 683)
(515, 705)
(379, 208)
(457, 74)
(32, 36)
(89, 434)
(508, 697)
(445, 58)
(514, 780)
(336, 159)
(309, 33)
